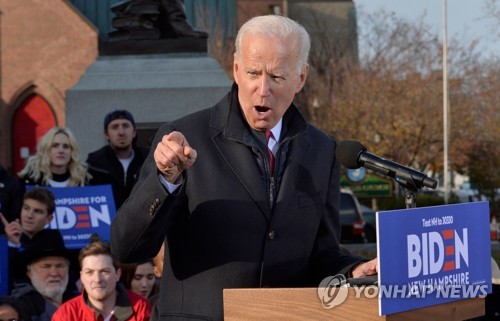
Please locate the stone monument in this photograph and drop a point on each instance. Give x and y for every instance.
(158, 69)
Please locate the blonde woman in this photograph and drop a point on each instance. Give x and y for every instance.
(56, 162)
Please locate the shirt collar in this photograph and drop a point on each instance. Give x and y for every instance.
(276, 130)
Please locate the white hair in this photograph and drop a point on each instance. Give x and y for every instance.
(279, 27)
(54, 292)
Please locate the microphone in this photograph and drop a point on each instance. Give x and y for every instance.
(353, 154)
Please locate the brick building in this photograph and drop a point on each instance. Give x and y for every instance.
(45, 46)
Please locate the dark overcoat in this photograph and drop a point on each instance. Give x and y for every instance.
(222, 227)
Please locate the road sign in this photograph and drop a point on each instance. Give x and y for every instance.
(364, 185)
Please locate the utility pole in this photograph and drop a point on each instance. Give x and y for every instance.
(446, 173)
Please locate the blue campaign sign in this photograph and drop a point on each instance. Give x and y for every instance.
(82, 211)
(4, 264)
(433, 255)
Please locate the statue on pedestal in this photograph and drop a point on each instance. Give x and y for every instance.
(151, 19)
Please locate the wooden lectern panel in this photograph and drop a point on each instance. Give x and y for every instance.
(298, 304)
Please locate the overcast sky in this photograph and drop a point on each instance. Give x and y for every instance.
(465, 18)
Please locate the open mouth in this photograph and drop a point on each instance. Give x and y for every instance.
(262, 109)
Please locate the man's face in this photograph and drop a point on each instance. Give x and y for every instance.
(120, 134)
(49, 276)
(268, 79)
(60, 151)
(34, 216)
(99, 277)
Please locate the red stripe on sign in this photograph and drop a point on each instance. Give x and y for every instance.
(82, 225)
(447, 234)
(449, 265)
(450, 250)
(80, 208)
(83, 217)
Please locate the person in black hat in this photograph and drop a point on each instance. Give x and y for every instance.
(118, 163)
(46, 260)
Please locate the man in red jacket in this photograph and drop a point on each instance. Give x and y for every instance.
(103, 298)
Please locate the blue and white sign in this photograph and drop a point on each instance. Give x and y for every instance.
(82, 211)
(433, 255)
(356, 175)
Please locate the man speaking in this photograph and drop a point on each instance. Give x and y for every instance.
(246, 193)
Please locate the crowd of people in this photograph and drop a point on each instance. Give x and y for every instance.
(243, 194)
(43, 273)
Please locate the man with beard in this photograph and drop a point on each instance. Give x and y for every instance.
(47, 265)
(103, 297)
(119, 162)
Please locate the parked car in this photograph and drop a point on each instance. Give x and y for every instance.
(351, 219)
(370, 224)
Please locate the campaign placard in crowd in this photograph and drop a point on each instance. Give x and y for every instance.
(433, 255)
(4, 263)
(82, 211)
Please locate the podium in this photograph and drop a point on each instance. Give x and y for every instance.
(303, 304)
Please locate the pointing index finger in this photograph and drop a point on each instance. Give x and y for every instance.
(177, 137)
(4, 220)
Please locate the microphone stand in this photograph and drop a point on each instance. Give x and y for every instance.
(410, 198)
(404, 179)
